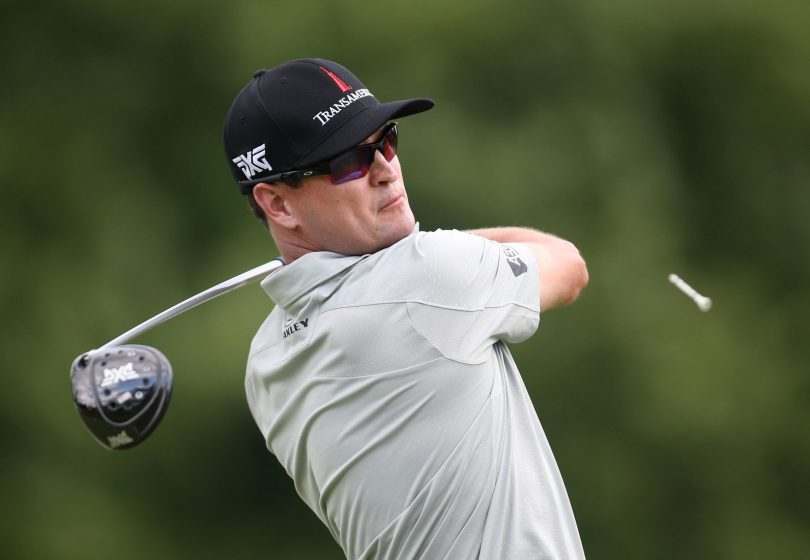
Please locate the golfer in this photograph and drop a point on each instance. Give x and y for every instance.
(381, 380)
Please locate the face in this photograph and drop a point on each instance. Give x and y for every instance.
(357, 217)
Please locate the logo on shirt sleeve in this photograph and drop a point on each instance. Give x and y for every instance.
(515, 262)
(292, 328)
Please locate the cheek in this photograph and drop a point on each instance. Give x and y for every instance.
(335, 213)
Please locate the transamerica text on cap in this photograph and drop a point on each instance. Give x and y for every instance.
(324, 116)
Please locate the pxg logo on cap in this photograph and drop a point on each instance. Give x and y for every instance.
(299, 114)
(252, 162)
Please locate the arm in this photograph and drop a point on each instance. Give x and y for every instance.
(562, 270)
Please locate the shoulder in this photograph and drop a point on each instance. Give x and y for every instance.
(441, 241)
(466, 255)
(451, 249)
(447, 256)
(440, 267)
(433, 249)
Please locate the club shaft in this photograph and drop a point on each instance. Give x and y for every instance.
(209, 294)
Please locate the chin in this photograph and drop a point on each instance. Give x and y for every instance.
(398, 233)
(383, 235)
(403, 226)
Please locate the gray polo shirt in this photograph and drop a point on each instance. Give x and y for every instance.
(384, 386)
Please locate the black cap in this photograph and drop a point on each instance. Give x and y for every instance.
(299, 114)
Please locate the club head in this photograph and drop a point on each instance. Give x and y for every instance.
(121, 392)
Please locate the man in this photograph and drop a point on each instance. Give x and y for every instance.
(381, 380)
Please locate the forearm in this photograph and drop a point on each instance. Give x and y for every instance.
(561, 269)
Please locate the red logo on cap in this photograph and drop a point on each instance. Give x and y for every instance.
(344, 87)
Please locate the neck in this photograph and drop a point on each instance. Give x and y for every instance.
(290, 245)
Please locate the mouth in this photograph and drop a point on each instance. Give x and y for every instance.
(393, 202)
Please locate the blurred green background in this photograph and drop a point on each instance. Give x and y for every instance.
(658, 136)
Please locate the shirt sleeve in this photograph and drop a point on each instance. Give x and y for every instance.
(474, 292)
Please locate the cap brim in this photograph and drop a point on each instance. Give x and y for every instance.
(360, 127)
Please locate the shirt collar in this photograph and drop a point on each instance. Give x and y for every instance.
(305, 273)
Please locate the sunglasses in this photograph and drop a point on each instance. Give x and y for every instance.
(351, 164)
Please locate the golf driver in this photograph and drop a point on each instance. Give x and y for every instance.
(123, 390)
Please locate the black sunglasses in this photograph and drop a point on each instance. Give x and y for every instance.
(351, 164)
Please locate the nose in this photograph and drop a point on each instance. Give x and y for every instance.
(382, 172)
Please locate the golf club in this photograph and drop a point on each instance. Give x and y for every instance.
(122, 391)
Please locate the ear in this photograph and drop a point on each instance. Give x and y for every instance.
(275, 200)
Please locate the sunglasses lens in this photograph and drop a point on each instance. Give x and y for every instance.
(351, 165)
(389, 144)
(356, 163)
